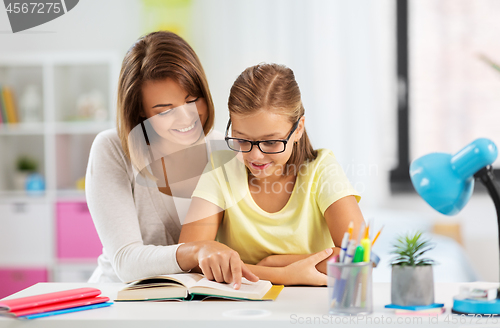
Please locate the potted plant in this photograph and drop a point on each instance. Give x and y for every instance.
(25, 166)
(412, 281)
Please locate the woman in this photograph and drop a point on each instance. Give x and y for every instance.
(140, 176)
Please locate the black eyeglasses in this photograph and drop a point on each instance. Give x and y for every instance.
(266, 146)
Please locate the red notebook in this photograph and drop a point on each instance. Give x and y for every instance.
(59, 306)
(51, 301)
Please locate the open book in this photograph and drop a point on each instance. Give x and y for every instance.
(194, 286)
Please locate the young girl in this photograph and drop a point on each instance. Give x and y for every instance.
(279, 200)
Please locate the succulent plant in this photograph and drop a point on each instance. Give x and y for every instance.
(409, 250)
(26, 164)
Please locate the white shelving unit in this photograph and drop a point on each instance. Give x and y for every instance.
(60, 142)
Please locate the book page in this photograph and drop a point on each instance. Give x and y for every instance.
(248, 289)
(186, 279)
(159, 287)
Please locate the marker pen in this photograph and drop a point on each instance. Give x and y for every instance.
(351, 248)
(367, 244)
(343, 247)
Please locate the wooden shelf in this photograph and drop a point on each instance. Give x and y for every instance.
(82, 127)
(7, 129)
(21, 196)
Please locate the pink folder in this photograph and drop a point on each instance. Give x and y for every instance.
(60, 306)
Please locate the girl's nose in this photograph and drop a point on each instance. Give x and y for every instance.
(255, 153)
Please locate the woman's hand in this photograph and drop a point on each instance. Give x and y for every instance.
(304, 272)
(216, 261)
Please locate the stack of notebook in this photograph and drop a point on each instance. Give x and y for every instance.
(432, 309)
(43, 305)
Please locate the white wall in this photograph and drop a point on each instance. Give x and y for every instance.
(478, 223)
(342, 53)
(92, 25)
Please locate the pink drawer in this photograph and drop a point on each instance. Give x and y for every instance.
(76, 234)
(13, 280)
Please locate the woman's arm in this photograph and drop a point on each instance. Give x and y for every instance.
(110, 199)
(202, 221)
(215, 260)
(111, 203)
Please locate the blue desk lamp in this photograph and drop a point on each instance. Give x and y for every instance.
(446, 183)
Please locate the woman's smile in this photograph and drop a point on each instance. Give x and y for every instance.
(186, 129)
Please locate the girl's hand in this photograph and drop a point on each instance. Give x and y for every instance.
(304, 272)
(284, 260)
(222, 264)
(321, 266)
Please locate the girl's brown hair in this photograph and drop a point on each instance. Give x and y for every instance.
(272, 87)
(157, 56)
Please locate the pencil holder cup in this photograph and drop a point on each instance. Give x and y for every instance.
(350, 288)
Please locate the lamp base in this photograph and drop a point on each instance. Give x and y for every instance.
(467, 306)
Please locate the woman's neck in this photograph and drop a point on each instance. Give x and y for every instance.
(163, 147)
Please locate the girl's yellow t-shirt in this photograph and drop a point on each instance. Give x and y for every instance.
(298, 228)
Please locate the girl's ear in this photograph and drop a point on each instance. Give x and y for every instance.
(300, 129)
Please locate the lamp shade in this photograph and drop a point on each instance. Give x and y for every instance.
(446, 181)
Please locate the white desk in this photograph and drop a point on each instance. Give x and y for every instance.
(295, 306)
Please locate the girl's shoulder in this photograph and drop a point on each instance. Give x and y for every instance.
(325, 153)
(325, 156)
(325, 162)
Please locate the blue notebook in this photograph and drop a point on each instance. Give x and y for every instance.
(415, 307)
(75, 309)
